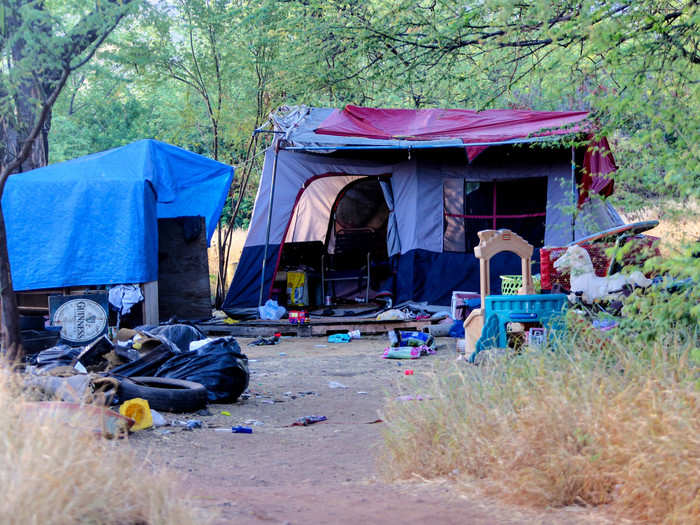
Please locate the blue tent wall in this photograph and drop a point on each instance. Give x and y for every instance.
(94, 220)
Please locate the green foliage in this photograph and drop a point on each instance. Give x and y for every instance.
(203, 73)
(41, 44)
(635, 65)
(649, 314)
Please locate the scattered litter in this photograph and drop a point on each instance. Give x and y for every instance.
(267, 401)
(253, 422)
(354, 334)
(308, 420)
(204, 412)
(72, 389)
(283, 354)
(438, 316)
(252, 360)
(410, 398)
(271, 311)
(138, 410)
(398, 338)
(236, 430)
(339, 338)
(393, 315)
(408, 372)
(188, 425)
(361, 392)
(604, 324)
(321, 346)
(163, 432)
(375, 421)
(158, 419)
(457, 329)
(287, 394)
(265, 341)
(87, 418)
(225, 413)
(335, 384)
(80, 368)
(402, 352)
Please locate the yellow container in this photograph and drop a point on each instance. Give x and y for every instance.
(138, 410)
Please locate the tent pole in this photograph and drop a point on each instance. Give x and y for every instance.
(573, 194)
(269, 221)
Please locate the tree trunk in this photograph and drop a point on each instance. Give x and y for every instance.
(11, 340)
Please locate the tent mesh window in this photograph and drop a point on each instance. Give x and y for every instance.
(471, 206)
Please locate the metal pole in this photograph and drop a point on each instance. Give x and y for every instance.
(269, 220)
(573, 194)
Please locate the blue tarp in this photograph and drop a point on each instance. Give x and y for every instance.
(94, 220)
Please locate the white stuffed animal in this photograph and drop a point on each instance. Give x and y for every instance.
(583, 278)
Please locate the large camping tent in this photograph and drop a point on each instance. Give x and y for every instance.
(425, 181)
(94, 220)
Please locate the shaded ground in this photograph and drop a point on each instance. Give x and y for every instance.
(324, 473)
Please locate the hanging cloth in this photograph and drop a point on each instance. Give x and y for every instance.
(393, 243)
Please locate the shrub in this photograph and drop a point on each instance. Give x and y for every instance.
(587, 423)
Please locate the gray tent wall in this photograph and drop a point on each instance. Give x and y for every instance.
(307, 185)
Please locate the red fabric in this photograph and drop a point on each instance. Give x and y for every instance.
(598, 163)
(493, 125)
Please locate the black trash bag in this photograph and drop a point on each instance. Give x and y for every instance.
(146, 365)
(61, 355)
(219, 366)
(181, 335)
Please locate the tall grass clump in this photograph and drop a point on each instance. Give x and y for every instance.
(596, 419)
(52, 472)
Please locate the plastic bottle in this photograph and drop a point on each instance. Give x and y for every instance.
(236, 430)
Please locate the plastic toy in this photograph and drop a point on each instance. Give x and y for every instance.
(486, 327)
(492, 242)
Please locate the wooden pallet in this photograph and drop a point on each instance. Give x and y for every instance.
(317, 327)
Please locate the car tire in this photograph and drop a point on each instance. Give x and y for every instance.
(162, 393)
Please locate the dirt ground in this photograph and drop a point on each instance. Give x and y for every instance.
(327, 472)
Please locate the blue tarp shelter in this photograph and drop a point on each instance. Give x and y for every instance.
(94, 220)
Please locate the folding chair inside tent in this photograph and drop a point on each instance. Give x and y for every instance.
(349, 242)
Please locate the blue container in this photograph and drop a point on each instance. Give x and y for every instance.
(547, 310)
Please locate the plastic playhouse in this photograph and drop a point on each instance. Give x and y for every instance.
(487, 327)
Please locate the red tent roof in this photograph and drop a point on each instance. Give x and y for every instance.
(493, 125)
(476, 129)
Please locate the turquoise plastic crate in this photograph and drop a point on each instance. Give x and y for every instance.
(545, 309)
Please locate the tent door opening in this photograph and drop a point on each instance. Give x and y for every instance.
(355, 261)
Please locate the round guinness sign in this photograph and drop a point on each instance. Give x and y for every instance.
(81, 320)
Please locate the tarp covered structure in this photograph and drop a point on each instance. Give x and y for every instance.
(444, 174)
(94, 220)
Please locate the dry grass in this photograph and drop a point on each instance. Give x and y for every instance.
(237, 242)
(678, 223)
(582, 426)
(54, 474)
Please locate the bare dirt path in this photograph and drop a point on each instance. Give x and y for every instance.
(327, 472)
